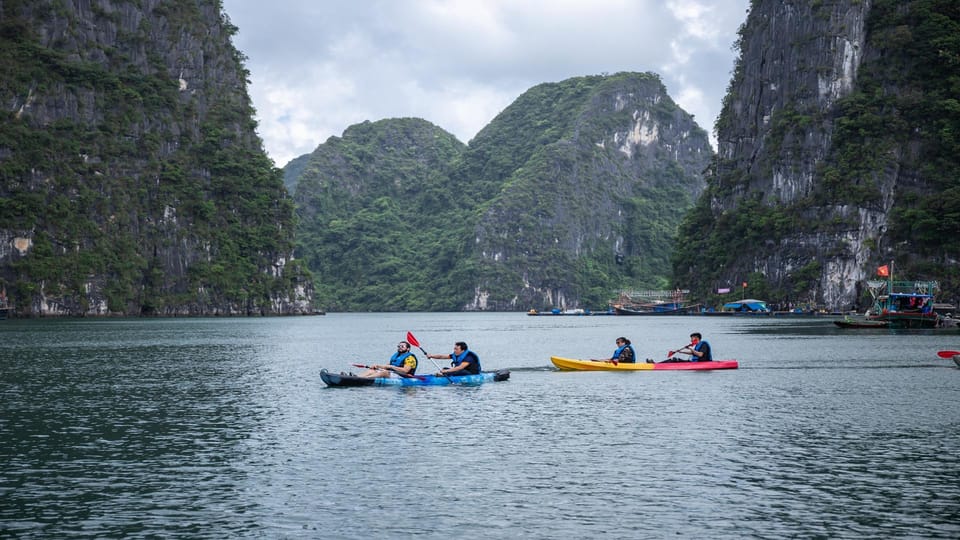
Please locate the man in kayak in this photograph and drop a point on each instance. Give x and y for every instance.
(403, 363)
(698, 350)
(623, 353)
(463, 361)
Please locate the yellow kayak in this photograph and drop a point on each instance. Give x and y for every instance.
(570, 364)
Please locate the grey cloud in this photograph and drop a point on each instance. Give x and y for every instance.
(316, 67)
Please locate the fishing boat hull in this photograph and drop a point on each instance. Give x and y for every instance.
(570, 364)
(343, 380)
(909, 320)
(862, 324)
(685, 310)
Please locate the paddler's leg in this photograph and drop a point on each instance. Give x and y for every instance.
(375, 373)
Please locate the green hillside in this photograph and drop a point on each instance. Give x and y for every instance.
(556, 202)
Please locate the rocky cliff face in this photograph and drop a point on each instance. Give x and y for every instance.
(588, 201)
(574, 191)
(798, 59)
(820, 146)
(132, 177)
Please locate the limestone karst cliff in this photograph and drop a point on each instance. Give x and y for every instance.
(574, 191)
(590, 178)
(132, 180)
(836, 154)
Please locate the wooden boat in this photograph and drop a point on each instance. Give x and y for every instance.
(862, 324)
(569, 312)
(906, 304)
(570, 364)
(665, 309)
(350, 380)
(748, 306)
(908, 320)
(661, 302)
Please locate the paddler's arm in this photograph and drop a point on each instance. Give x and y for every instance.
(454, 370)
(400, 372)
(403, 371)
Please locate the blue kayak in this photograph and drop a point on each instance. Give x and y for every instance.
(345, 380)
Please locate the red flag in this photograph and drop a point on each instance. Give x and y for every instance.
(883, 271)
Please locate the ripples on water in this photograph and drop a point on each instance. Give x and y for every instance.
(213, 428)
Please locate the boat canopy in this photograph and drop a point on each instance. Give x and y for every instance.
(749, 304)
(904, 302)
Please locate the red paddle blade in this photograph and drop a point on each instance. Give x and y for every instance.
(412, 340)
(947, 354)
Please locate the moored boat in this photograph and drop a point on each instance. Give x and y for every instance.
(904, 304)
(862, 324)
(349, 380)
(574, 312)
(665, 309)
(907, 310)
(747, 306)
(662, 302)
(571, 364)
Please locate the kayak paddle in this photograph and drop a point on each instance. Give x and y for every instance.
(671, 353)
(413, 341)
(947, 354)
(404, 375)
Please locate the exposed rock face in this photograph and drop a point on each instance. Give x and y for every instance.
(133, 178)
(797, 60)
(574, 191)
(616, 165)
(822, 142)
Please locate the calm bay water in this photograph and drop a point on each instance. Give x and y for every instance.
(221, 428)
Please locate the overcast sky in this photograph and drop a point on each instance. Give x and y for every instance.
(320, 66)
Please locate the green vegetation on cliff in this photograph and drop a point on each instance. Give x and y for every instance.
(893, 154)
(133, 191)
(379, 226)
(557, 202)
(590, 196)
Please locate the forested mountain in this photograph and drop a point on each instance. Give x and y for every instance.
(580, 186)
(573, 191)
(131, 177)
(379, 222)
(293, 170)
(839, 151)
(132, 180)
